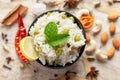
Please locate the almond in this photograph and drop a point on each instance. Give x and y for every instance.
(87, 37)
(119, 44)
(112, 28)
(104, 37)
(110, 53)
(113, 16)
(116, 43)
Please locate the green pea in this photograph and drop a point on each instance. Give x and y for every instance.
(72, 18)
(66, 31)
(63, 16)
(38, 49)
(58, 52)
(36, 32)
(77, 38)
(48, 13)
(58, 22)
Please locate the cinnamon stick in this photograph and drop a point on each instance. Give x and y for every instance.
(12, 16)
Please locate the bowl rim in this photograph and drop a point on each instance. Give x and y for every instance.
(79, 25)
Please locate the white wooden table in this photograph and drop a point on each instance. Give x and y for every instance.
(107, 71)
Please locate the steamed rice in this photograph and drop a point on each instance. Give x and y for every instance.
(48, 53)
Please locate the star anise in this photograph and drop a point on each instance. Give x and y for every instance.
(93, 73)
(71, 3)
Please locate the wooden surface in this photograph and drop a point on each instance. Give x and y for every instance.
(34, 71)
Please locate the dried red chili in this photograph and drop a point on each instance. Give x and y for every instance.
(21, 26)
(21, 33)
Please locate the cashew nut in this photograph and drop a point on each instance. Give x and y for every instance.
(98, 27)
(83, 12)
(6, 48)
(91, 47)
(98, 23)
(110, 2)
(100, 57)
(97, 4)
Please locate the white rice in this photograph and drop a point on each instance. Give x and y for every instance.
(48, 54)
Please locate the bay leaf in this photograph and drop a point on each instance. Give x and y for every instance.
(87, 64)
(109, 9)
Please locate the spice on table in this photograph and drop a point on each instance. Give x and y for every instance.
(5, 66)
(109, 9)
(87, 21)
(92, 74)
(37, 1)
(87, 64)
(6, 48)
(97, 28)
(17, 40)
(110, 2)
(91, 47)
(71, 3)
(87, 37)
(35, 71)
(97, 4)
(116, 0)
(4, 37)
(90, 71)
(6, 40)
(110, 52)
(55, 75)
(9, 59)
(21, 33)
(104, 38)
(2, 34)
(70, 76)
(116, 43)
(11, 17)
(113, 16)
(51, 3)
(112, 28)
(100, 57)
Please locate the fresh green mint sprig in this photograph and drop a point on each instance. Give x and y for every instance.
(52, 36)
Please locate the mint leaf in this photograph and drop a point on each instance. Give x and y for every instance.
(50, 30)
(52, 36)
(59, 39)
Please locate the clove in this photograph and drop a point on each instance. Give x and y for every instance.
(9, 59)
(5, 66)
(3, 37)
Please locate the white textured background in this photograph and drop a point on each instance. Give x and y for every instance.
(108, 71)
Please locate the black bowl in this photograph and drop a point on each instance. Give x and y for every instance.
(81, 49)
